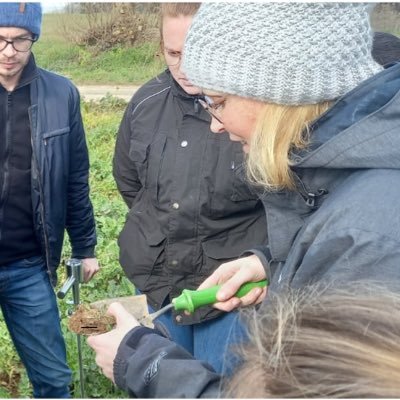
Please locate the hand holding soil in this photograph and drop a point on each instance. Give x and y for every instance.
(92, 319)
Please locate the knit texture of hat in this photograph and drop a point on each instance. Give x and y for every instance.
(21, 15)
(285, 53)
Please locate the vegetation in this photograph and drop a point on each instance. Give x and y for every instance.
(58, 51)
(101, 122)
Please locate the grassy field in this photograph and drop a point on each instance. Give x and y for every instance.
(120, 65)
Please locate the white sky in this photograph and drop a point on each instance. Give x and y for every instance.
(49, 6)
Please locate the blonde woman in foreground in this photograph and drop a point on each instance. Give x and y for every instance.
(319, 120)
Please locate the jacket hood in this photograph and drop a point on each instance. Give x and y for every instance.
(361, 130)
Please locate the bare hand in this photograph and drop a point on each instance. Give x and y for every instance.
(106, 345)
(90, 268)
(232, 275)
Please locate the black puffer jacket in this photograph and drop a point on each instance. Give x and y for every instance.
(190, 209)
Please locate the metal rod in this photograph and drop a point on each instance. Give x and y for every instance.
(81, 375)
(75, 277)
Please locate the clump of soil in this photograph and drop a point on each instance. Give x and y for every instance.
(10, 382)
(87, 320)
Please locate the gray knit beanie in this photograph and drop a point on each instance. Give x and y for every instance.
(285, 53)
(22, 15)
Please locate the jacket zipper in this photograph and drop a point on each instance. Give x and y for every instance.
(6, 162)
(41, 196)
(310, 198)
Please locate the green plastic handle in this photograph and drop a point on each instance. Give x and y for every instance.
(190, 300)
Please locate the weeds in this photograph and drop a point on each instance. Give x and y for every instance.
(118, 65)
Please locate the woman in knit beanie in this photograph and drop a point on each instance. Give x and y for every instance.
(319, 119)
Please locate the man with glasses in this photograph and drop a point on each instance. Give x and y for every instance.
(43, 190)
(190, 209)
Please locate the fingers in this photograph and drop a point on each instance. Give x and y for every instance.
(232, 285)
(232, 275)
(210, 281)
(255, 296)
(105, 346)
(221, 274)
(90, 268)
(123, 317)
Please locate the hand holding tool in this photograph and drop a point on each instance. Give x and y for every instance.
(191, 300)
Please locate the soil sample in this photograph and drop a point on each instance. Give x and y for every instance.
(88, 320)
(92, 319)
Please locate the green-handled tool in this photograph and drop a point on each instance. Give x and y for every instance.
(191, 300)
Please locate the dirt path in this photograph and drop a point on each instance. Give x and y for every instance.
(96, 92)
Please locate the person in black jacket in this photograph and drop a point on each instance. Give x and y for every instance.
(43, 190)
(190, 209)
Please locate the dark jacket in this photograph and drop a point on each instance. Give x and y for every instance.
(60, 169)
(342, 225)
(190, 209)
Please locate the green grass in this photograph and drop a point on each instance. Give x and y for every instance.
(119, 65)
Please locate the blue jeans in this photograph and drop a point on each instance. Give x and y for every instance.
(30, 310)
(208, 341)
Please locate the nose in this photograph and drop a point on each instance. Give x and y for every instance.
(9, 50)
(216, 126)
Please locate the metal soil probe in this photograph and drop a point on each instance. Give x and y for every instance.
(75, 277)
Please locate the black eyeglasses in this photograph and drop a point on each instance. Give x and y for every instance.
(172, 58)
(211, 107)
(21, 45)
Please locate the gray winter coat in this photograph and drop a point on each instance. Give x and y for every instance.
(343, 224)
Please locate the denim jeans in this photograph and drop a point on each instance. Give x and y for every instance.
(209, 341)
(30, 310)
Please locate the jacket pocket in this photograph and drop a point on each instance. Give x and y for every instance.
(138, 152)
(226, 248)
(57, 132)
(53, 158)
(148, 159)
(141, 251)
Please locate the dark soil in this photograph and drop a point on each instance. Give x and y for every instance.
(10, 382)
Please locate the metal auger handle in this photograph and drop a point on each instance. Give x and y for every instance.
(75, 277)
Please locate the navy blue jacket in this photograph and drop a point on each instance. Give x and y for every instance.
(60, 169)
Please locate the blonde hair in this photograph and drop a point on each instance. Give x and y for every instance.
(280, 130)
(174, 10)
(341, 343)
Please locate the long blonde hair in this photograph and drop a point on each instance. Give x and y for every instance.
(341, 343)
(280, 130)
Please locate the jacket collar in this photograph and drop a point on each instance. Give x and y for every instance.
(192, 100)
(29, 73)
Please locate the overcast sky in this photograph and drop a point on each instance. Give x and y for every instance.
(49, 6)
